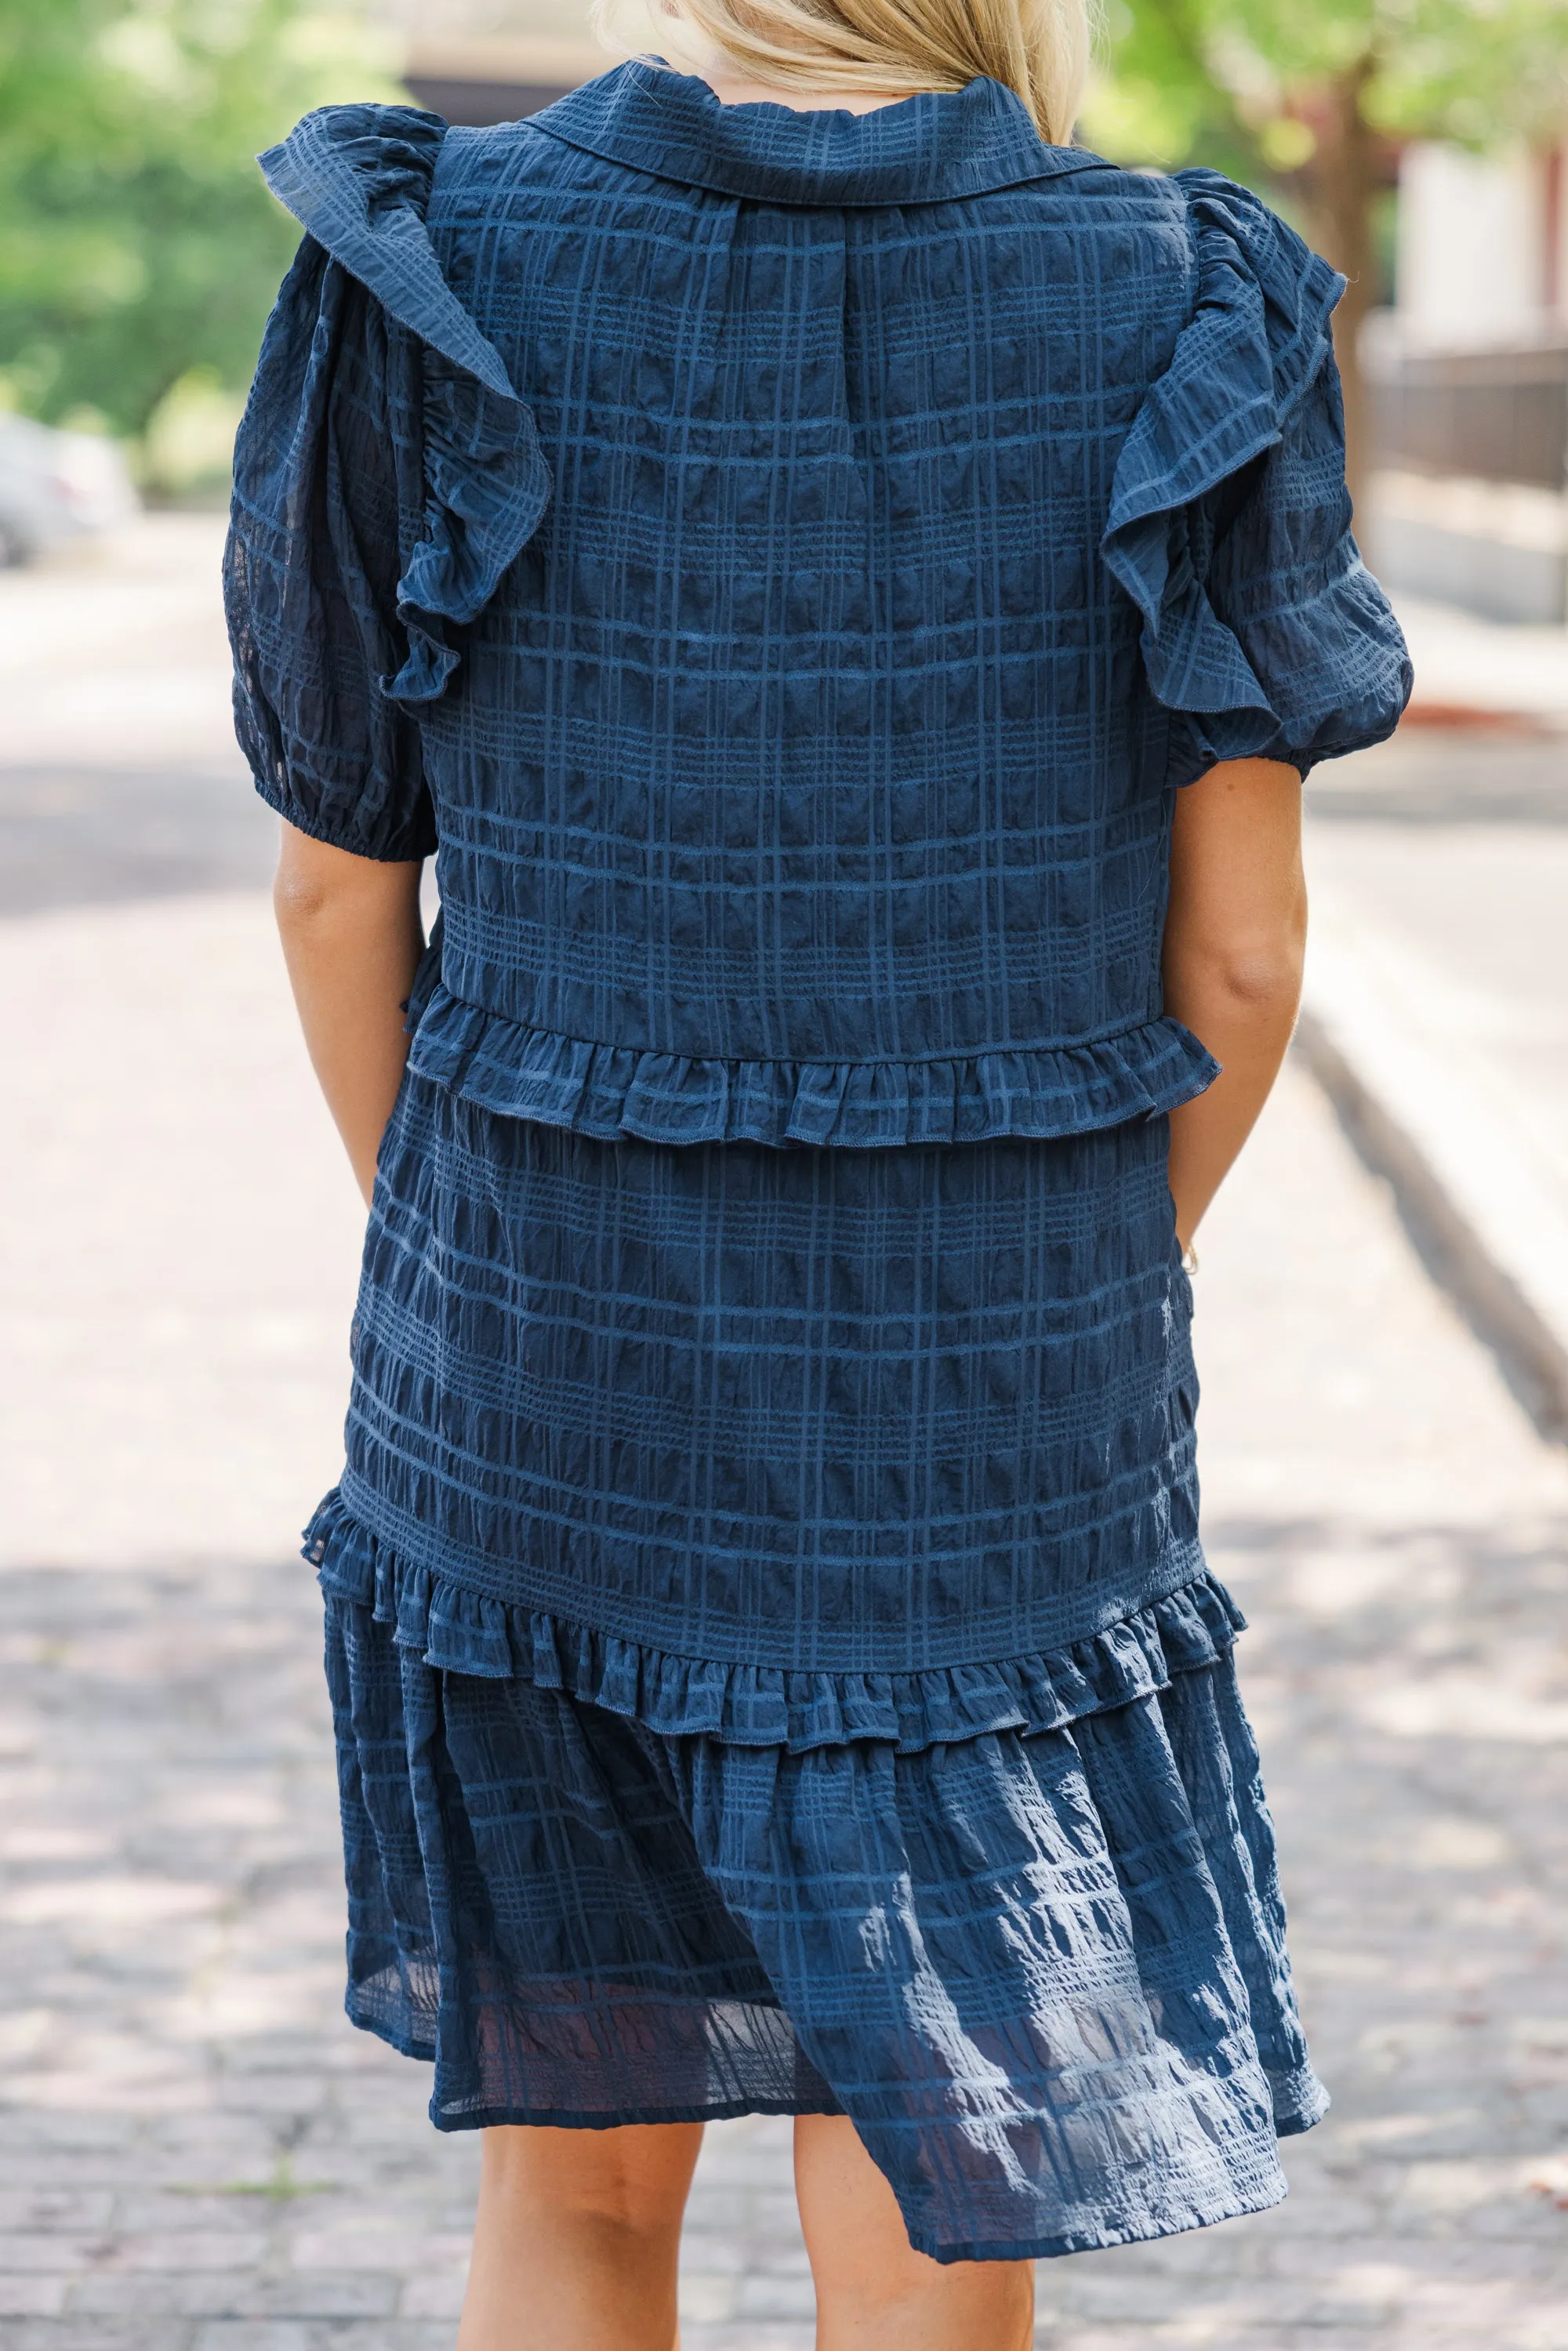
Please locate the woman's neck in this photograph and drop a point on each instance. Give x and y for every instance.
(733, 88)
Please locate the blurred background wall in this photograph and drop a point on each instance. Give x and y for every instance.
(491, 60)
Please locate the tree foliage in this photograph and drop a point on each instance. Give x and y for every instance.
(1303, 100)
(1246, 81)
(137, 241)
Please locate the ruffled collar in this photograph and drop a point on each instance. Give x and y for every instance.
(925, 149)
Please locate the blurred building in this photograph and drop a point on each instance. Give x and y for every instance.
(479, 61)
(1469, 371)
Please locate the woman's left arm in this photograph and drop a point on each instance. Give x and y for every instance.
(351, 938)
(1235, 929)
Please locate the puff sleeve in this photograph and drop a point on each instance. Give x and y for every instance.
(311, 567)
(1263, 632)
(386, 474)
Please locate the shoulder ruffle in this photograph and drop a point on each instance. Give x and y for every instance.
(460, 1631)
(608, 1091)
(358, 179)
(1243, 366)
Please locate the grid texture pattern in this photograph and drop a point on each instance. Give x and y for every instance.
(785, 567)
(808, 552)
(1045, 1976)
(847, 1412)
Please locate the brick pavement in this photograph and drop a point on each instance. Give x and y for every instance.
(196, 2154)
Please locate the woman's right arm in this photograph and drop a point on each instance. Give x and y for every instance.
(1235, 933)
(352, 939)
(310, 575)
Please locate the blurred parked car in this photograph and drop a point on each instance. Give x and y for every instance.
(56, 485)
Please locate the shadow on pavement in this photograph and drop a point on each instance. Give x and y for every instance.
(100, 836)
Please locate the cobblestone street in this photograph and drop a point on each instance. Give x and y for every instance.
(198, 2154)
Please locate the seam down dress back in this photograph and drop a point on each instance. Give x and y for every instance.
(783, 567)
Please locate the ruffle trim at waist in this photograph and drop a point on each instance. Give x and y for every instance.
(607, 1091)
(463, 1632)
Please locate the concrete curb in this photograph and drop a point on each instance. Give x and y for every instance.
(1429, 1070)
(1534, 1359)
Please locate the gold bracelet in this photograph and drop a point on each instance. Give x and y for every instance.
(1189, 1259)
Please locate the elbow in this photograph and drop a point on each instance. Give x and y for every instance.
(316, 886)
(300, 902)
(324, 898)
(1253, 976)
(1260, 980)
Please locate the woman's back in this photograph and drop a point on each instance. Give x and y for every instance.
(776, 648)
(785, 564)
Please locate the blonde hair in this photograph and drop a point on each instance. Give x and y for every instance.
(1037, 48)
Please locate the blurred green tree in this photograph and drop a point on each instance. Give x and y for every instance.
(1300, 98)
(138, 244)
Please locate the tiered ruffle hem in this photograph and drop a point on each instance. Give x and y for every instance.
(1019, 1921)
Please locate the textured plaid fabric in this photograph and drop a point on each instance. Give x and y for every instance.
(801, 556)
(785, 567)
(1046, 1976)
(826, 1412)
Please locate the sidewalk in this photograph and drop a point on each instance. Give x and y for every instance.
(1468, 664)
(1436, 999)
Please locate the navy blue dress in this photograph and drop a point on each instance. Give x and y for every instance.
(784, 566)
